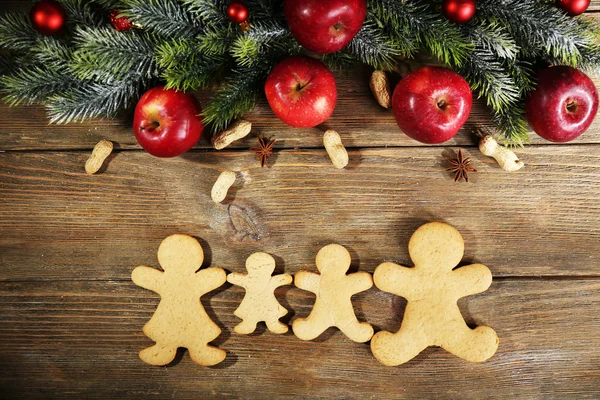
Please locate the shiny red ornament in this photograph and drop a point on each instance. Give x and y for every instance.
(459, 11)
(574, 7)
(237, 12)
(121, 24)
(47, 17)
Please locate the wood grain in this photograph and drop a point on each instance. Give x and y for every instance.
(71, 319)
(87, 336)
(57, 222)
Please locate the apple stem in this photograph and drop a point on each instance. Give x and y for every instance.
(151, 126)
(571, 106)
(300, 85)
(441, 104)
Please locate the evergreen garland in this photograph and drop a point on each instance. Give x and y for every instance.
(92, 70)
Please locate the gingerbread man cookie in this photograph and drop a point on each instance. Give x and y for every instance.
(259, 303)
(334, 289)
(180, 319)
(432, 288)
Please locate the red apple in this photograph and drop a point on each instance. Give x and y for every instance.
(166, 122)
(301, 91)
(325, 26)
(431, 104)
(563, 105)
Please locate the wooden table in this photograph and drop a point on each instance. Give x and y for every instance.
(71, 319)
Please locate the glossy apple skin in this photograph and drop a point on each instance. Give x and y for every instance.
(564, 104)
(166, 122)
(431, 104)
(301, 92)
(325, 26)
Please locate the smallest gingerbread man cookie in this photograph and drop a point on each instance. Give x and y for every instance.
(259, 303)
(334, 290)
(432, 288)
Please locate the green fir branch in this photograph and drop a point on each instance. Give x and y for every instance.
(395, 19)
(82, 13)
(540, 28)
(210, 12)
(33, 85)
(16, 32)
(372, 47)
(53, 53)
(513, 127)
(236, 97)
(418, 24)
(105, 54)
(168, 18)
(90, 99)
(495, 38)
(590, 54)
(265, 11)
(261, 41)
(338, 61)
(522, 74)
(491, 71)
(109, 5)
(6, 65)
(184, 65)
(217, 41)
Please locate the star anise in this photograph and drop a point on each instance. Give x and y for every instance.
(461, 167)
(264, 150)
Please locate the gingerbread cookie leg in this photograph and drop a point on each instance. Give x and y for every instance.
(358, 331)
(206, 355)
(158, 354)
(311, 327)
(475, 345)
(277, 326)
(393, 349)
(245, 327)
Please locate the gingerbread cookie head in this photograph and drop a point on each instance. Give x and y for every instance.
(436, 244)
(180, 254)
(333, 259)
(260, 264)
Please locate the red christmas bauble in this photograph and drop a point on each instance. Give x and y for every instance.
(237, 12)
(573, 7)
(121, 24)
(47, 17)
(459, 11)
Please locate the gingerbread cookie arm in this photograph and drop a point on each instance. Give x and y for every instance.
(471, 279)
(308, 281)
(360, 281)
(238, 279)
(281, 280)
(396, 279)
(209, 279)
(148, 278)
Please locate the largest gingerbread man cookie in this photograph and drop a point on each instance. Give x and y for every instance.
(432, 288)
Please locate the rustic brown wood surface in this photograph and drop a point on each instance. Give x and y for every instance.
(71, 319)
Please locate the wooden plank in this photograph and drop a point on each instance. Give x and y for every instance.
(358, 118)
(81, 339)
(56, 222)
